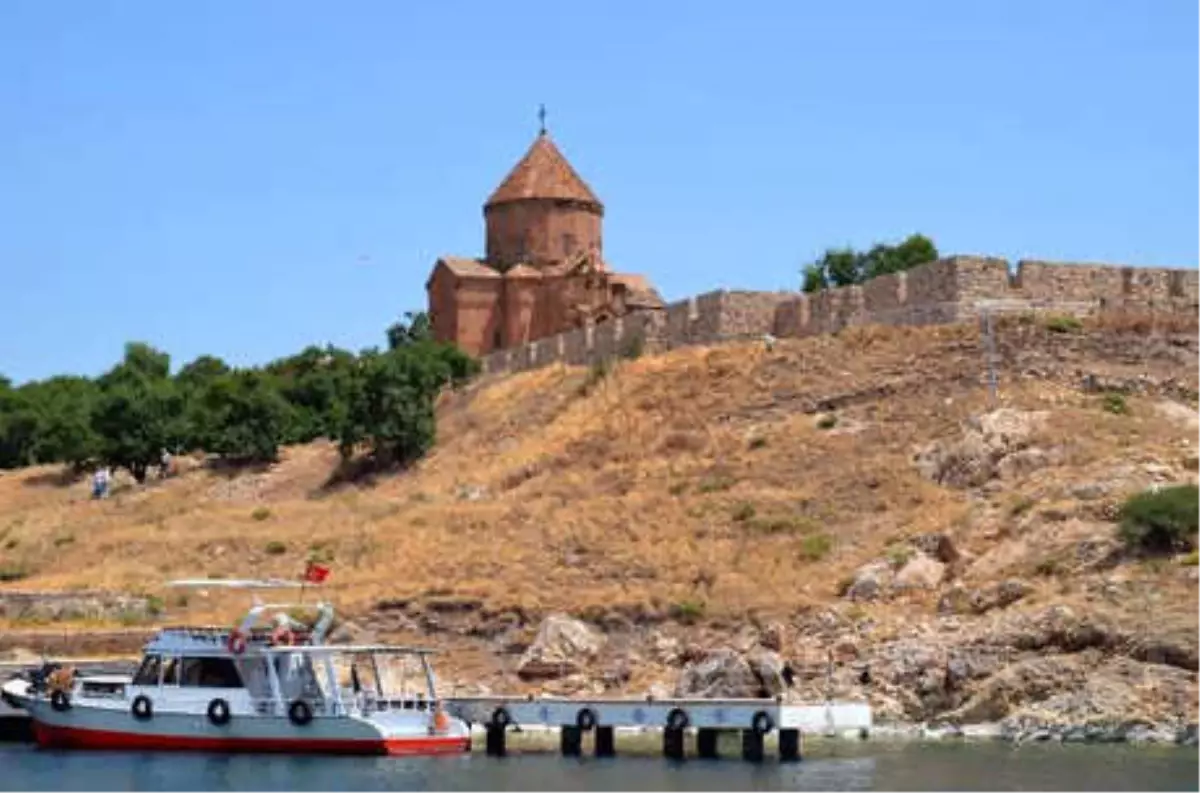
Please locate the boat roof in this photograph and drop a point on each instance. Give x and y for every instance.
(354, 648)
(240, 583)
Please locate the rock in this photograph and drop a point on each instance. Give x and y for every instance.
(562, 647)
(351, 633)
(1184, 415)
(960, 600)
(869, 581)
(664, 649)
(936, 545)
(920, 572)
(728, 673)
(979, 454)
(956, 600)
(1020, 464)
(1090, 491)
(767, 666)
(773, 637)
(471, 493)
(721, 673)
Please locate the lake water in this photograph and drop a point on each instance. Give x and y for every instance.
(833, 766)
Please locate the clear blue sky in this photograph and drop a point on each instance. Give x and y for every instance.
(243, 178)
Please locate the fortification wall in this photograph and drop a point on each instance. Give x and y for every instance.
(949, 290)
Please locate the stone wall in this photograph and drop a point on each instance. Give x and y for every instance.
(949, 290)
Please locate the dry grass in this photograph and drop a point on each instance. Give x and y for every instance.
(696, 477)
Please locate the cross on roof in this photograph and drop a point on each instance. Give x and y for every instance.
(542, 119)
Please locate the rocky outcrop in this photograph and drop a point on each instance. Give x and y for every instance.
(563, 646)
(959, 599)
(728, 673)
(996, 444)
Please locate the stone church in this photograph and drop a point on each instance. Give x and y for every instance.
(543, 271)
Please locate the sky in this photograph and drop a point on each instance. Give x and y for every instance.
(244, 178)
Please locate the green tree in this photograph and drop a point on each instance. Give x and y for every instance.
(139, 411)
(391, 399)
(314, 384)
(242, 416)
(414, 328)
(64, 406)
(846, 267)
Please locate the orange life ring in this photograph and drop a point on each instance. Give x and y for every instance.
(283, 636)
(237, 642)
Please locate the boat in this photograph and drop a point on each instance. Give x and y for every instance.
(270, 684)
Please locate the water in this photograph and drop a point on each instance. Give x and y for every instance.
(850, 766)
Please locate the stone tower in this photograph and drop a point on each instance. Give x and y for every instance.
(542, 213)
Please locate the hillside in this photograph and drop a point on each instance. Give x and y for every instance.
(825, 496)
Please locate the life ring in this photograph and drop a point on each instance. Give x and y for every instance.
(218, 712)
(143, 709)
(500, 718)
(762, 723)
(586, 720)
(237, 642)
(300, 713)
(60, 701)
(677, 719)
(283, 636)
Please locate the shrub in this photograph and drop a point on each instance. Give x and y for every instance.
(1063, 324)
(1190, 560)
(677, 488)
(827, 422)
(1115, 404)
(815, 547)
(711, 484)
(757, 442)
(1048, 567)
(899, 555)
(260, 513)
(688, 611)
(1161, 521)
(633, 348)
(275, 548)
(12, 572)
(743, 511)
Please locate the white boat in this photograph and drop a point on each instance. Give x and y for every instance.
(253, 688)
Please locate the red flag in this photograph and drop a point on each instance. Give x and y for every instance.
(315, 573)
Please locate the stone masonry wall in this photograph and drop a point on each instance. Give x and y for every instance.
(949, 290)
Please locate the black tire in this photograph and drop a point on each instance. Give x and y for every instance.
(143, 708)
(60, 701)
(677, 720)
(218, 712)
(586, 720)
(500, 717)
(762, 723)
(300, 713)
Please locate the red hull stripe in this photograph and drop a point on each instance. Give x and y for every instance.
(77, 738)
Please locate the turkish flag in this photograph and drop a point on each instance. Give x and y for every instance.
(315, 573)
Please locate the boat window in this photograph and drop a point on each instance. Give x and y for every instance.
(170, 675)
(147, 673)
(210, 673)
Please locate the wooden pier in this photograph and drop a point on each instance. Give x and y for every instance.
(753, 718)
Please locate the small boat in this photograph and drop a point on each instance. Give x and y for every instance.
(254, 688)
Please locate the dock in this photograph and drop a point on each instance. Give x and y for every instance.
(709, 718)
(599, 718)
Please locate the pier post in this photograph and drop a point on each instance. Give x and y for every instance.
(673, 743)
(495, 741)
(752, 746)
(789, 745)
(571, 740)
(605, 742)
(706, 743)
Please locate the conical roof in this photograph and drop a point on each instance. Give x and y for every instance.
(543, 173)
